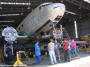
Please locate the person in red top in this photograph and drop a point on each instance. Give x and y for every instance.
(67, 55)
(80, 38)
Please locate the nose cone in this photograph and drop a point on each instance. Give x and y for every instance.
(59, 8)
(59, 4)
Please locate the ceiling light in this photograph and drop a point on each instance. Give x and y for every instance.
(10, 14)
(4, 25)
(7, 21)
(88, 1)
(14, 3)
(70, 12)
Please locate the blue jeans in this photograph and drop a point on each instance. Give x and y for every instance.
(38, 59)
(52, 57)
(74, 52)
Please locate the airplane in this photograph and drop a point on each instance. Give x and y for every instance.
(40, 19)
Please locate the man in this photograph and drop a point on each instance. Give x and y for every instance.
(71, 46)
(67, 51)
(74, 47)
(51, 52)
(37, 53)
(57, 45)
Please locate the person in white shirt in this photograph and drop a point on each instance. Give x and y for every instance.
(51, 46)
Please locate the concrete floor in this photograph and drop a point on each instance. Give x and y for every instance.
(83, 61)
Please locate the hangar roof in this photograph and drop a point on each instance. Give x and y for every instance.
(12, 12)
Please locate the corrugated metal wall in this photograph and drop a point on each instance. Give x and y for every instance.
(69, 26)
(83, 27)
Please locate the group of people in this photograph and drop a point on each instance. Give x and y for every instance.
(69, 46)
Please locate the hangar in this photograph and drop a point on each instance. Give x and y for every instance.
(75, 20)
(10, 13)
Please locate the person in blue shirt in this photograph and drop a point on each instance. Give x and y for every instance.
(37, 53)
(57, 51)
(71, 45)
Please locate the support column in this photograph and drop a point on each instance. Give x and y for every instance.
(76, 32)
(61, 31)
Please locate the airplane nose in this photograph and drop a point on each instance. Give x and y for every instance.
(56, 5)
(60, 8)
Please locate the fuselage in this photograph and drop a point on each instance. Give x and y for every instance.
(40, 17)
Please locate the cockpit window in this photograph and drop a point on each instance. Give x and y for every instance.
(56, 7)
(43, 5)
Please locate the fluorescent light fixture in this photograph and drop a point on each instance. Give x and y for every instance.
(76, 33)
(10, 14)
(7, 21)
(3, 25)
(88, 1)
(14, 3)
(70, 12)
